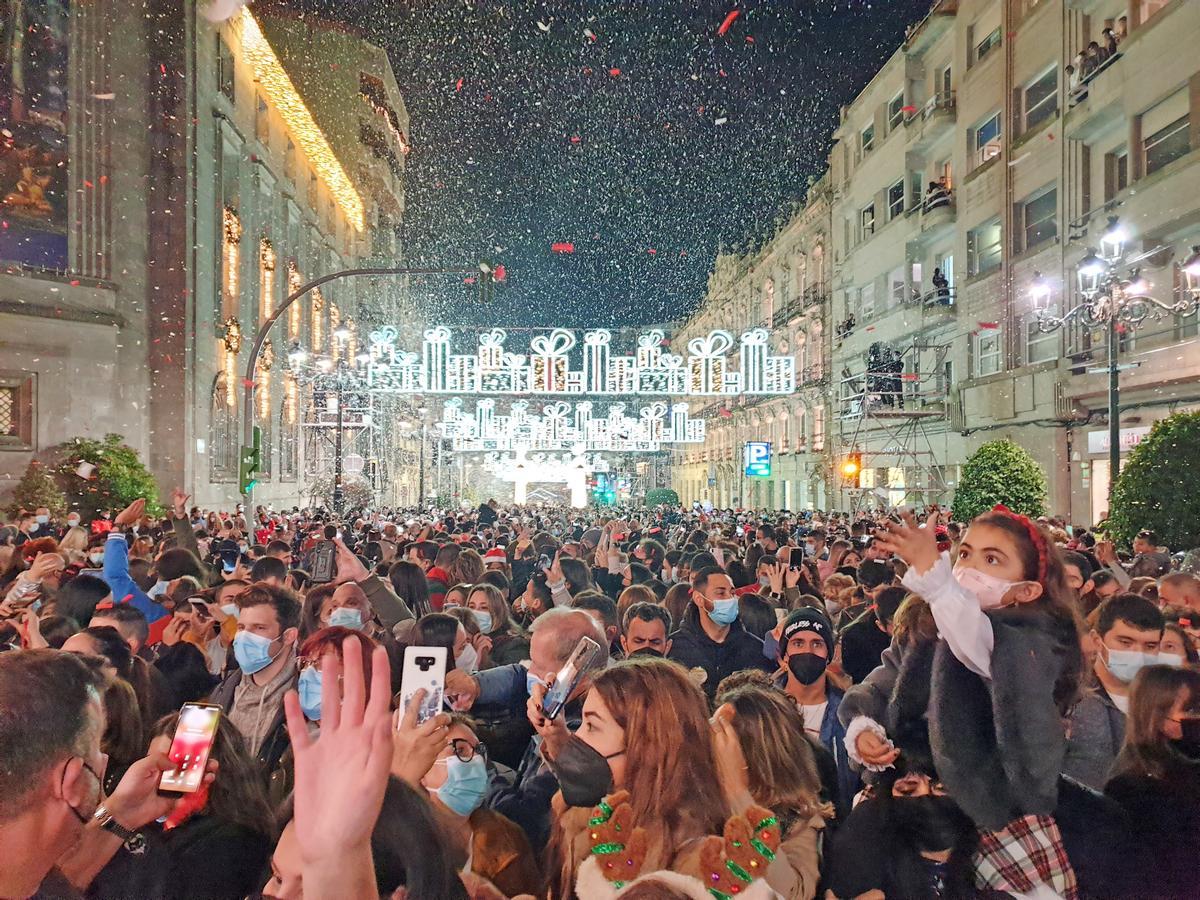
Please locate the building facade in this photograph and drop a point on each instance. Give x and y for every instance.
(973, 162)
(207, 171)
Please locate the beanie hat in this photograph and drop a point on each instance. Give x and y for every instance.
(495, 555)
(807, 618)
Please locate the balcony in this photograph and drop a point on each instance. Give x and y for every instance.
(940, 18)
(938, 213)
(931, 122)
(1094, 104)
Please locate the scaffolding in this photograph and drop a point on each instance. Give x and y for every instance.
(889, 414)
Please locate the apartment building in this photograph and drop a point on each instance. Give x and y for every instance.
(971, 164)
(784, 287)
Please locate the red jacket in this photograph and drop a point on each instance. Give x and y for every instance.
(439, 584)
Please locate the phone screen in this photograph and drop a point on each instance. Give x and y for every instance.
(424, 669)
(194, 736)
(584, 658)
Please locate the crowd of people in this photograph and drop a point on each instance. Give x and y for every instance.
(1094, 57)
(773, 705)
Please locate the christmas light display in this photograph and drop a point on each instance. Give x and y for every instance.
(566, 426)
(709, 369)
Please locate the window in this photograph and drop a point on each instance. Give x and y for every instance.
(896, 286)
(867, 139)
(866, 299)
(896, 111)
(1149, 8)
(1040, 346)
(989, 43)
(987, 140)
(983, 247)
(223, 432)
(1116, 172)
(262, 119)
(1165, 132)
(1041, 98)
(818, 428)
(16, 412)
(988, 352)
(224, 68)
(896, 199)
(1039, 216)
(944, 82)
(866, 220)
(918, 278)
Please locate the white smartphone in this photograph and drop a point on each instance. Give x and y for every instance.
(424, 668)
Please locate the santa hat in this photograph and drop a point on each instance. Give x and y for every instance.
(495, 555)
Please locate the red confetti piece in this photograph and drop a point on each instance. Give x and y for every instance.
(729, 20)
(726, 413)
(587, 70)
(458, 85)
(749, 40)
(499, 273)
(87, 184)
(652, 251)
(470, 279)
(575, 139)
(75, 283)
(987, 326)
(614, 72)
(908, 110)
(562, 247)
(722, 73)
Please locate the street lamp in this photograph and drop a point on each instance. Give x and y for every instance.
(1116, 296)
(342, 333)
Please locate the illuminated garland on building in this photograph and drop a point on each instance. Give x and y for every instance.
(266, 279)
(294, 282)
(318, 317)
(266, 359)
(290, 398)
(269, 72)
(232, 342)
(231, 257)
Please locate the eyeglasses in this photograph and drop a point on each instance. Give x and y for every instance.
(466, 751)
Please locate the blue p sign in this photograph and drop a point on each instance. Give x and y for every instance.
(758, 459)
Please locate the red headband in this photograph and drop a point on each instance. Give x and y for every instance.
(1035, 535)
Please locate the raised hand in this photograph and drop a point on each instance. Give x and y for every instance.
(915, 545)
(131, 513)
(179, 500)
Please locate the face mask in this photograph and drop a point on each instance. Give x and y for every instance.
(465, 785)
(252, 652)
(806, 668)
(1189, 743)
(583, 773)
(1174, 660)
(96, 559)
(988, 589)
(308, 686)
(34, 526)
(345, 617)
(468, 660)
(484, 619)
(42, 520)
(159, 588)
(764, 581)
(530, 681)
(231, 609)
(72, 522)
(244, 547)
(724, 612)
(1125, 664)
(647, 652)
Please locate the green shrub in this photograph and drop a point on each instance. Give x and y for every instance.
(662, 497)
(1000, 472)
(37, 488)
(1157, 486)
(119, 479)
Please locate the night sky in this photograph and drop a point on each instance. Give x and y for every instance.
(633, 130)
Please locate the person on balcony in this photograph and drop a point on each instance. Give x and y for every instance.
(941, 288)
(936, 195)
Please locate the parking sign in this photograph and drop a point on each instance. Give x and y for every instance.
(758, 459)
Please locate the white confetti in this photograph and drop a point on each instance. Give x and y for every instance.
(223, 10)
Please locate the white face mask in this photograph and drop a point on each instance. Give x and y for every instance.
(468, 660)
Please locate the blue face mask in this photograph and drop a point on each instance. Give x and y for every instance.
(1125, 664)
(530, 681)
(309, 689)
(465, 785)
(158, 589)
(484, 619)
(345, 617)
(252, 652)
(231, 609)
(42, 520)
(724, 612)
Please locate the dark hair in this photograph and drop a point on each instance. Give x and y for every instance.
(111, 645)
(888, 602)
(177, 562)
(79, 597)
(874, 572)
(447, 554)
(56, 629)
(268, 567)
(1103, 577)
(639, 574)
(314, 601)
(647, 612)
(436, 630)
(285, 603)
(1148, 536)
(43, 696)
(127, 615)
(655, 553)
(498, 580)
(427, 550)
(185, 669)
(756, 614)
(238, 796)
(1132, 609)
(577, 573)
(700, 578)
(410, 585)
(1079, 561)
(600, 603)
(300, 578)
(768, 533)
(278, 546)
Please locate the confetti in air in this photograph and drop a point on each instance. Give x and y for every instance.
(728, 23)
(223, 10)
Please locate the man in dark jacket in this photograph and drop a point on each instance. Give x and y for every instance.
(710, 637)
(865, 639)
(251, 697)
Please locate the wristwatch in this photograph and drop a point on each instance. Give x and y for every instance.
(134, 841)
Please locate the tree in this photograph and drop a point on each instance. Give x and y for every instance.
(662, 497)
(1000, 472)
(37, 488)
(356, 492)
(1157, 486)
(119, 478)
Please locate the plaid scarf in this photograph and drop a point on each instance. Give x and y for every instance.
(1023, 854)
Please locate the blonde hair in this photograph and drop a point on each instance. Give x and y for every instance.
(837, 587)
(76, 538)
(467, 568)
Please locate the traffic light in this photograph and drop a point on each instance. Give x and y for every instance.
(249, 463)
(852, 468)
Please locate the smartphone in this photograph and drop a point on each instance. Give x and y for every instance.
(584, 658)
(424, 667)
(229, 560)
(200, 609)
(324, 562)
(545, 562)
(190, 747)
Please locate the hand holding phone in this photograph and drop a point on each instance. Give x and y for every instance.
(190, 747)
(585, 658)
(424, 670)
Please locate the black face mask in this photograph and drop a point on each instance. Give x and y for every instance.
(1189, 743)
(647, 651)
(583, 773)
(931, 822)
(806, 668)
